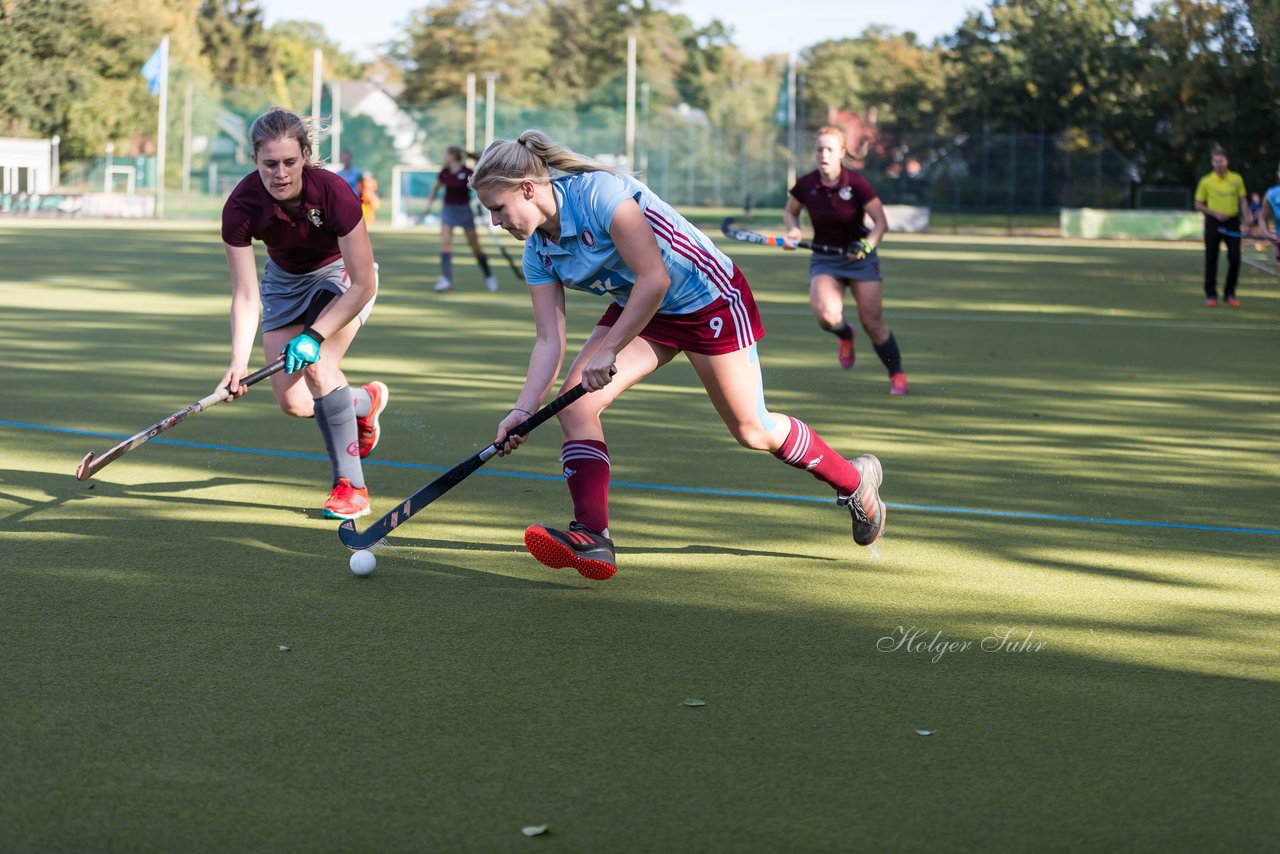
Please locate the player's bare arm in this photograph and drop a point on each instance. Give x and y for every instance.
(791, 219)
(879, 222)
(246, 307)
(638, 247)
(357, 255)
(545, 361)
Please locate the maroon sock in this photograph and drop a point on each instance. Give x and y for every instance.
(586, 470)
(804, 449)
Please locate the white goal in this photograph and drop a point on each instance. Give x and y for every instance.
(410, 186)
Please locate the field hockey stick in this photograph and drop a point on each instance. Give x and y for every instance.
(769, 240)
(497, 241)
(1266, 235)
(90, 465)
(372, 535)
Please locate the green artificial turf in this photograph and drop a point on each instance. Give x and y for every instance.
(1077, 593)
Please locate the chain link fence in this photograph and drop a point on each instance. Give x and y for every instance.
(686, 155)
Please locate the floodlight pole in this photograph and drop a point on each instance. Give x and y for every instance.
(490, 78)
(335, 143)
(643, 164)
(162, 135)
(317, 64)
(630, 146)
(791, 119)
(186, 141)
(470, 141)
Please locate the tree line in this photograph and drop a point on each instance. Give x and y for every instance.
(1161, 86)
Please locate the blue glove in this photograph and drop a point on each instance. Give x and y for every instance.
(302, 351)
(860, 249)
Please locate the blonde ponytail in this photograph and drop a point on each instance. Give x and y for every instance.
(532, 156)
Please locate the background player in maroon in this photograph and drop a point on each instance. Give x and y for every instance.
(317, 288)
(456, 213)
(838, 201)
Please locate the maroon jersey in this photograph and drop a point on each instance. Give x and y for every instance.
(299, 242)
(456, 191)
(838, 212)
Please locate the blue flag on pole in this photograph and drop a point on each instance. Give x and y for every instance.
(782, 110)
(151, 71)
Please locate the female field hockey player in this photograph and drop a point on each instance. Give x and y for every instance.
(456, 213)
(316, 292)
(838, 201)
(590, 229)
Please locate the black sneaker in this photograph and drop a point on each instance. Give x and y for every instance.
(865, 506)
(580, 547)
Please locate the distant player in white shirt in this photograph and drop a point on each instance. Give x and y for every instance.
(586, 228)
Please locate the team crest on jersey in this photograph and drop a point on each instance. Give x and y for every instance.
(588, 238)
(846, 193)
(315, 218)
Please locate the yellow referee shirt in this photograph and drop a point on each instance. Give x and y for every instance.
(1221, 194)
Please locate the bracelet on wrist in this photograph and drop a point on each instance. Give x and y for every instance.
(525, 411)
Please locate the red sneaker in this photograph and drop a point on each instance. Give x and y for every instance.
(898, 384)
(1233, 302)
(580, 547)
(1211, 302)
(347, 501)
(845, 352)
(367, 428)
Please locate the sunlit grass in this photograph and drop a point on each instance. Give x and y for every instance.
(464, 691)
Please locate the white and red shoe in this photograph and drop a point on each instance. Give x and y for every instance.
(368, 430)
(347, 501)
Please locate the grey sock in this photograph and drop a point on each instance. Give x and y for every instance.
(363, 401)
(336, 417)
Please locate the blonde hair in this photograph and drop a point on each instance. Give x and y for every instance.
(532, 156)
(279, 123)
(832, 130)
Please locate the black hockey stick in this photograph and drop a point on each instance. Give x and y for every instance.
(89, 466)
(769, 240)
(372, 535)
(497, 241)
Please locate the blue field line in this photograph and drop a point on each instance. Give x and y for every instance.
(695, 490)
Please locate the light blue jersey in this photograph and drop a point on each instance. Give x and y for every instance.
(1272, 200)
(586, 259)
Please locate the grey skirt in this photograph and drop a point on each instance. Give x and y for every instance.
(285, 295)
(458, 216)
(843, 267)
